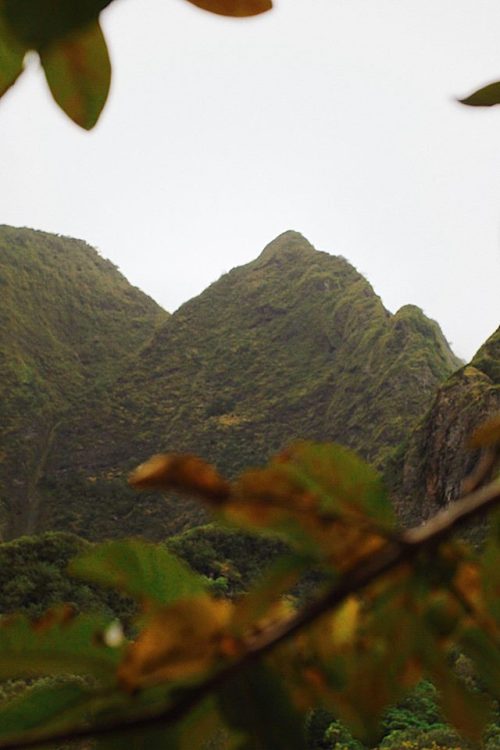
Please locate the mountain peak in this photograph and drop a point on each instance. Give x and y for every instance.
(286, 245)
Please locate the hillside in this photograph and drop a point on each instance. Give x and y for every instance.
(69, 322)
(294, 344)
(429, 471)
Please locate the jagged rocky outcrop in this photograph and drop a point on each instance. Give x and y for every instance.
(295, 344)
(68, 323)
(429, 472)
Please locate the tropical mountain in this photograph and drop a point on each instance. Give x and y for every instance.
(429, 470)
(69, 321)
(295, 344)
(95, 376)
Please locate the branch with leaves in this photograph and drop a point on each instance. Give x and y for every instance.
(391, 608)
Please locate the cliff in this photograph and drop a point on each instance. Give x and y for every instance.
(429, 471)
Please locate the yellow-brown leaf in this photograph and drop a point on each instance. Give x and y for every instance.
(179, 642)
(235, 8)
(181, 473)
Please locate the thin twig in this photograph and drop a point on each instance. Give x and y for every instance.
(392, 554)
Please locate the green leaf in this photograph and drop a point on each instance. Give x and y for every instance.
(147, 572)
(74, 647)
(39, 707)
(486, 97)
(342, 480)
(318, 478)
(78, 71)
(11, 58)
(256, 703)
(329, 503)
(38, 23)
(236, 8)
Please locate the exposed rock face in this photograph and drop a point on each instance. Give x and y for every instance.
(436, 459)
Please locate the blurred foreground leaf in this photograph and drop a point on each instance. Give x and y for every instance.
(485, 97)
(257, 704)
(178, 642)
(145, 571)
(235, 8)
(12, 55)
(42, 707)
(325, 499)
(65, 647)
(488, 433)
(38, 23)
(193, 732)
(328, 502)
(78, 72)
(181, 473)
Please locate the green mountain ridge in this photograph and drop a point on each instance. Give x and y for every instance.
(295, 344)
(69, 322)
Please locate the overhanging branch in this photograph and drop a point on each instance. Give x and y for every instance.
(407, 546)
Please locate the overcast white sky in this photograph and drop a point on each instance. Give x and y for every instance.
(336, 118)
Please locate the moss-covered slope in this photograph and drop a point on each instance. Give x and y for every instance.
(294, 344)
(428, 473)
(68, 323)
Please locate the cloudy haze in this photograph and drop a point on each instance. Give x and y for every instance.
(336, 118)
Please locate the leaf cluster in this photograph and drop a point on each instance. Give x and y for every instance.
(68, 39)
(251, 668)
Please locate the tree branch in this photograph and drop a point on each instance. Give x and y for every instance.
(403, 549)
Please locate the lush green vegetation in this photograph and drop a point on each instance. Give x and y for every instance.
(34, 578)
(249, 668)
(70, 322)
(415, 723)
(295, 344)
(233, 558)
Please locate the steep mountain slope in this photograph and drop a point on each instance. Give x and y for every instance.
(68, 321)
(429, 472)
(294, 344)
